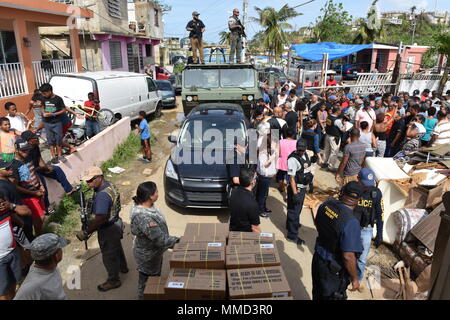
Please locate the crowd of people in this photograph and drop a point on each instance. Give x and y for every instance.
(334, 131)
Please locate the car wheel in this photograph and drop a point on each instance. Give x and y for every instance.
(158, 111)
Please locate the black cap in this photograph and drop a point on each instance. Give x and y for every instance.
(301, 145)
(23, 145)
(28, 135)
(353, 189)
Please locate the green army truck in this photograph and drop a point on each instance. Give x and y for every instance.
(216, 82)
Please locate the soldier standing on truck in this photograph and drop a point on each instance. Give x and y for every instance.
(237, 33)
(196, 27)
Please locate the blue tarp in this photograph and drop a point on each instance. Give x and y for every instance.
(315, 51)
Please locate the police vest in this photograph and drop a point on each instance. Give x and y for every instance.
(114, 194)
(304, 175)
(331, 129)
(237, 22)
(365, 210)
(309, 137)
(330, 218)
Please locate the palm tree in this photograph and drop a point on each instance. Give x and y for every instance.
(274, 23)
(370, 29)
(442, 46)
(224, 37)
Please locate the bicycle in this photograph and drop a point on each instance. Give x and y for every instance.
(105, 117)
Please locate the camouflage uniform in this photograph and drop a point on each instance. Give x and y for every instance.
(152, 240)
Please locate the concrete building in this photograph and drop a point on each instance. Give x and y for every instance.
(382, 58)
(434, 17)
(22, 68)
(110, 40)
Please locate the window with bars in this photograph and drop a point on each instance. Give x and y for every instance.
(156, 18)
(114, 8)
(8, 48)
(115, 54)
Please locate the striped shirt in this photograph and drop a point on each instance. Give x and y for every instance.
(442, 131)
(356, 152)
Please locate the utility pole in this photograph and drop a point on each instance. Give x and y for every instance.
(245, 23)
(414, 21)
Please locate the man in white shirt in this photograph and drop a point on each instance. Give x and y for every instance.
(17, 120)
(44, 281)
(441, 132)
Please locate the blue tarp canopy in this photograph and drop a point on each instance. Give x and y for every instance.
(315, 51)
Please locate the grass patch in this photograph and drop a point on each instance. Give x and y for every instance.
(67, 215)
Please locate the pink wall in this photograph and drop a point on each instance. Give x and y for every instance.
(91, 153)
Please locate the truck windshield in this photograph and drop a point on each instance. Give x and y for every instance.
(224, 78)
(243, 78)
(212, 133)
(201, 78)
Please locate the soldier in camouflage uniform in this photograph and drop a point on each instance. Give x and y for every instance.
(152, 235)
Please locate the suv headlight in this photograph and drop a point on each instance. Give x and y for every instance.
(170, 171)
(189, 98)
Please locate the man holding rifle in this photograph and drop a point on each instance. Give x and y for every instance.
(196, 27)
(237, 33)
(108, 224)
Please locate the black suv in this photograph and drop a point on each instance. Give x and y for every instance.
(197, 174)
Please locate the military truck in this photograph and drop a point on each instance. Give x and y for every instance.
(216, 82)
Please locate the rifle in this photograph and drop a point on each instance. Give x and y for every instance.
(241, 30)
(83, 212)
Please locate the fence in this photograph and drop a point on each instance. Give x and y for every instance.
(43, 70)
(12, 80)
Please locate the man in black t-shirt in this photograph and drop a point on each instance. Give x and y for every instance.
(291, 117)
(244, 208)
(196, 28)
(53, 109)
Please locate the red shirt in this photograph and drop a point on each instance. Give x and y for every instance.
(331, 83)
(89, 107)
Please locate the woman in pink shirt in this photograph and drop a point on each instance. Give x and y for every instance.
(287, 146)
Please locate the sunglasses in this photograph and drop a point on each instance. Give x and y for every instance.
(92, 180)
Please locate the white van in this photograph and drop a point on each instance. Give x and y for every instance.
(124, 93)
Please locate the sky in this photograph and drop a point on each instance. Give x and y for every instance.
(215, 13)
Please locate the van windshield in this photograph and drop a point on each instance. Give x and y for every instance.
(224, 78)
(217, 133)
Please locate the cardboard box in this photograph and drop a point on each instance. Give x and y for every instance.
(261, 255)
(234, 235)
(239, 242)
(269, 282)
(206, 232)
(198, 246)
(154, 289)
(196, 284)
(202, 255)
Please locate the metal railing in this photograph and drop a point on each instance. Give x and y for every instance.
(12, 80)
(43, 71)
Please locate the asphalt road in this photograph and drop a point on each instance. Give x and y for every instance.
(296, 260)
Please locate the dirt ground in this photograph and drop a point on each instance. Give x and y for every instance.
(296, 260)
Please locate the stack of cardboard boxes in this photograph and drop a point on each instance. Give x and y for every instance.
(212, 263)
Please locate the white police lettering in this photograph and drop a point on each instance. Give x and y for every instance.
(74, 280)
(214, 244)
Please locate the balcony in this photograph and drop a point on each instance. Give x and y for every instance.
(43, 70)
(12, 80)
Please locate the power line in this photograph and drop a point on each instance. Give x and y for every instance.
(302, 4)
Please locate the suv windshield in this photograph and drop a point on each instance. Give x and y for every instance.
(164, 86)
(225, 78)
(212, 133)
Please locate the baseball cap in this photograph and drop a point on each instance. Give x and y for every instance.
(359, 102)
(377, 98)
(45, 246)
(349, 96)
(367, 177)
(301, 145)
(28, 135)
(353, 189)
(23, 145)
(333, 97)
(195, 13)
(91, 173)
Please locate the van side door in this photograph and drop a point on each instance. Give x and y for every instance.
(152, 95)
